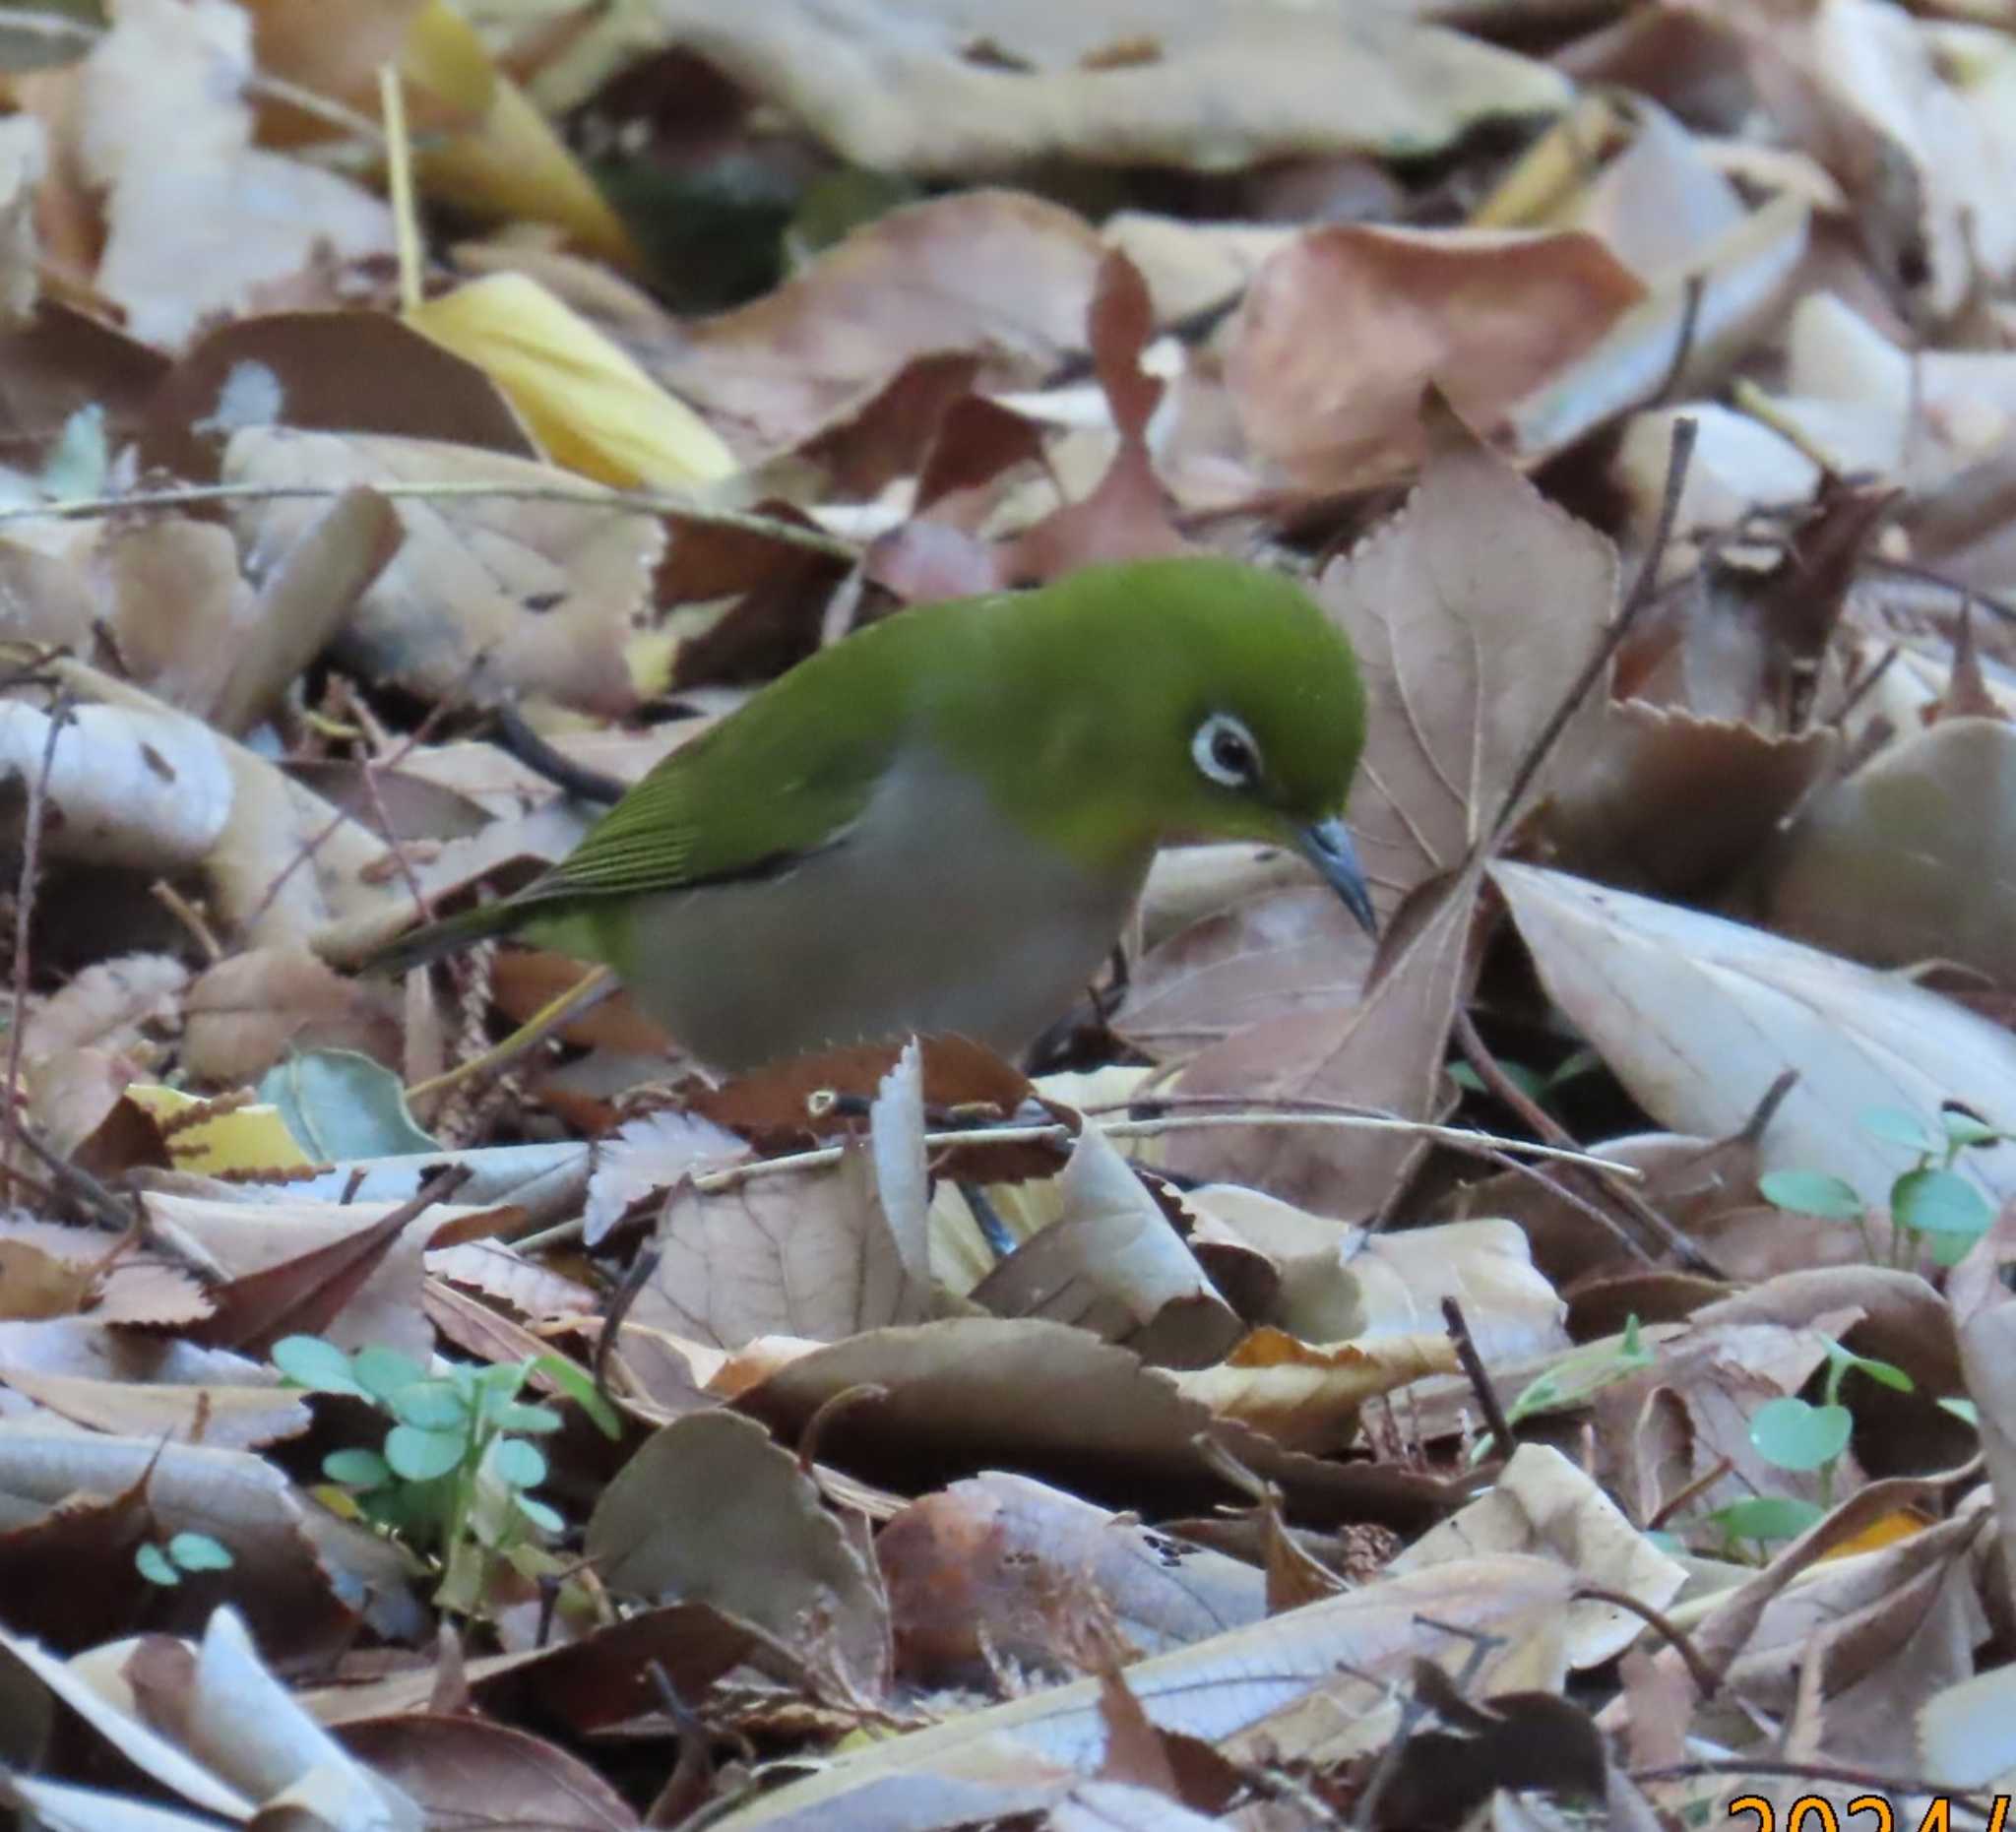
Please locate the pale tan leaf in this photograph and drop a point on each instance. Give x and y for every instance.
(1308, 1398)
(799, 1254)
(1318, 1685)
(1112, 1263)
(1542, 1504)
(486, 596)
(896, 88)
(1699, 1016)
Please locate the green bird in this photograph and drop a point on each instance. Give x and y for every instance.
(941, 823)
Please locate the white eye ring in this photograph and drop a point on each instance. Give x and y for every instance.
(1224, 751)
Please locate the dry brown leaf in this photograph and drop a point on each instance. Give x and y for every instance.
(1471, 611)
(973, 1393)
(111, 1004)
(360, 373)
(1667, 1426)
(1384, 1053)
(648, 1156)
(175, 608)
(305, 597)
(1315, 1684)
(1911, 857)
(1114, 1263)
(248, 1012)
(1900, 1620)
(1700, 1185)
(1340, 333)
(1260, 958)
(486, 596)
(996, 272)
(804, 1253)
(34, 1285)
(1007, 1565)
(1674, 804)
(467, 1771)
(710, 1510)
(1866, 90)
(287, 1555)
(246, 1239)
(246, 1418)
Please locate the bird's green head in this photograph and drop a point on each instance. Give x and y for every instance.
(1189, 698)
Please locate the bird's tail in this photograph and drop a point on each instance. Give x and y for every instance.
(432, 940)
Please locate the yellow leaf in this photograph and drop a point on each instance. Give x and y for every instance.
(592, 408)
(513, 164)
(1900, 1524)
(234, 1139)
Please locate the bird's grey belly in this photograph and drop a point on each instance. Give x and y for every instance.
(932, 915)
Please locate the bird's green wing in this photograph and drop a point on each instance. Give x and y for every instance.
(785, 777)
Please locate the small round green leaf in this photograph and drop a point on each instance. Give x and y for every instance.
(519, 1416)
(1950, 1249)
(1896, 1125)
(518, 1462)
(579, 1386)
(433, 1405)
(362, 1469)
(320, 1366)
(419, 1456)
(1797, 1436)
(1963, 1128)
(198, 1551)
(154, 1566)
(382, 1372)
(547, 1519)
(1887, 1373)
(1812, 1192)
(1767, 1517)
(1965, 1409)
(1936, 1202)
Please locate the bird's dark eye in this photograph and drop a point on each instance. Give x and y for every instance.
(1224, 751)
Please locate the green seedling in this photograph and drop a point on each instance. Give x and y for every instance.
(165, 1562)
(1932, 1206)
(1793, 1434)
(454, 1476)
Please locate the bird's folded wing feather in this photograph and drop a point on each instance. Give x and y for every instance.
(743, 800)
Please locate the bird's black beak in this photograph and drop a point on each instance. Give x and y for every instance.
(1327, 845)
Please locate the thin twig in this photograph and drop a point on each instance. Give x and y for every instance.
(1560, 1192)
(78, 1183)
(1700, 1486)
(317, 840)
(730, 1176)
(516, 738)
(587, 495)
(626, 1294)
(1707, 1682)
(1892, 1785)
(1494, 1076)
(1474, 1371)
(24, 914)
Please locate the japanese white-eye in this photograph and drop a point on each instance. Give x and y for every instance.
(940, 822)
